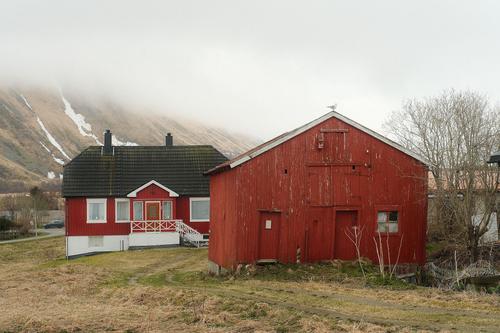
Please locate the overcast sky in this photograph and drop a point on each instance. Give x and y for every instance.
(257, 67)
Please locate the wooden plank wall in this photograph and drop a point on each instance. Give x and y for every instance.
(307, 186)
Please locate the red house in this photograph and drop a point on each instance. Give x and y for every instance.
(296, 197)
(137, 196)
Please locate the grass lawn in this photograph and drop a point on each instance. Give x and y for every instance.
(162, 290)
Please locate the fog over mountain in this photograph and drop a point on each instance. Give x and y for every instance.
(257, 67)
(43, 129)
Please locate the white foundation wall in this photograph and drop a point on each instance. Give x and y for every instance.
(154, 239)
(78, 245)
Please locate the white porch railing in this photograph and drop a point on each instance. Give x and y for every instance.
(154, 226)
(186, 232)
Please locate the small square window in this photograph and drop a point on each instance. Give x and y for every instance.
(387, 221)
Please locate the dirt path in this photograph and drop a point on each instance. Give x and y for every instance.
(116, 291)
(419, 312)
(339, 306)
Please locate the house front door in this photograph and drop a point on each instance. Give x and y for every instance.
(152, 211)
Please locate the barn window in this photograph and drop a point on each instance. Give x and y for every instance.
(387, 221)
(122, 210)
(167, 210)
(96, 210)
(138, 211)
(199, 209)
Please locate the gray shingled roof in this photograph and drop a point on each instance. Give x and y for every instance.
(180, 168)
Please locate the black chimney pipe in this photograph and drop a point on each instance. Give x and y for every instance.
(169, 140)
(108, 146)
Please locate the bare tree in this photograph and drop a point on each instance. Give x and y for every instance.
(10, 204)
(456, 132)
(355, 236)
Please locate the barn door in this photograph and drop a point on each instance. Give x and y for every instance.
(152, 211)
(319, 234)
(344, 221)
(269, 226)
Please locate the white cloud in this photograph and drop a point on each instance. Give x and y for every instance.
(255, 67)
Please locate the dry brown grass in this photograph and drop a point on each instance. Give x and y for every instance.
(163, 290)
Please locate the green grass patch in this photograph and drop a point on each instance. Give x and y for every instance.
(376, 280)
(334, 271)
(154, 280)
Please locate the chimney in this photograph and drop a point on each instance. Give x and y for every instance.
(169, 140)
(108, 146)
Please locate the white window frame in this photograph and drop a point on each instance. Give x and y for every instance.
(191, 200)
(98, 201)
(117, 200)
(387, 222)
(171, 209)
(133, 210)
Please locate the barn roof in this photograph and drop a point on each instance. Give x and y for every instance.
(289, 135)
(180, 168)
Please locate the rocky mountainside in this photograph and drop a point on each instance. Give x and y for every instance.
(42, 129)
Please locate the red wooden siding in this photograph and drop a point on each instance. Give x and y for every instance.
(154, 193)
(315, 192)
(76, 220)
(183, 209)
(76, 214)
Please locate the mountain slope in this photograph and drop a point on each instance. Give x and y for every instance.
(41, 129)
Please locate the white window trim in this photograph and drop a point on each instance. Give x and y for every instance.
(191, 209)
(171, 209)
(133, 210)
(103, 201)
(116, 210)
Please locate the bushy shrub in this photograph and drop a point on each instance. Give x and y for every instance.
(5, 223)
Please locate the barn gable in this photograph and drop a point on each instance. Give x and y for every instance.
(290, 135)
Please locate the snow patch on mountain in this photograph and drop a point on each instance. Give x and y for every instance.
(45, 147)
(84, 128)
(51, 139)
(116, 142)
(26, 102)
(57, 160)
(51, 175)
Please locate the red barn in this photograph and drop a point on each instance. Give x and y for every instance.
(296, 197)
(137, 196)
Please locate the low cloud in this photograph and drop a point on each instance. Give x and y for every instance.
(259, 68)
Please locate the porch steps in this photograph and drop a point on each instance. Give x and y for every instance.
(190, 236)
